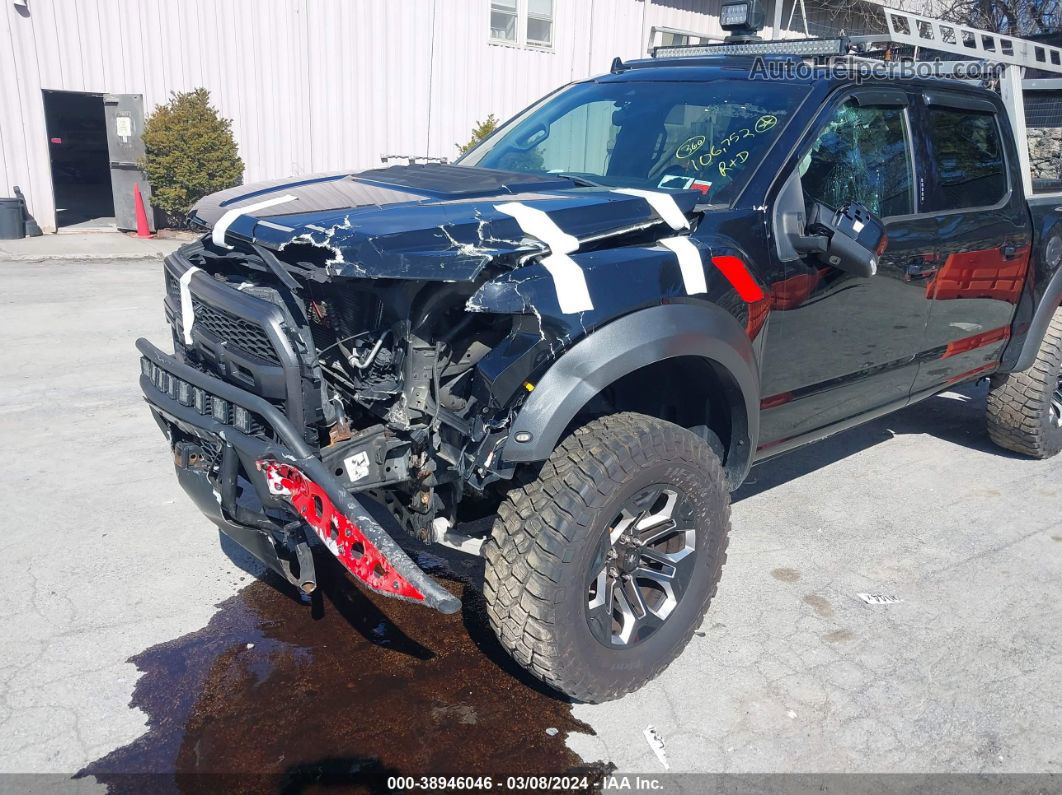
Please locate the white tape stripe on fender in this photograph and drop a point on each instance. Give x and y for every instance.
(663, 203)
(689, 260)
(187, 310)
(568, 278)
(223, 224)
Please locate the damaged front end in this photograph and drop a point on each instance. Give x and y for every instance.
(249, 470)
(346, 338)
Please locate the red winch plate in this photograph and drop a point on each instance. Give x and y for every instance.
(342, 537)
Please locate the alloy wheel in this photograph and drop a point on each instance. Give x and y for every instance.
(643, 568)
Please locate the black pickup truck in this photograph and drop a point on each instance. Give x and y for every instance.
(590, 328)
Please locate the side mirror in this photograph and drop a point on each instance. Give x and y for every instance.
(850, 239)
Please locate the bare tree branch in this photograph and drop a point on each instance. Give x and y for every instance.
(1016, 17)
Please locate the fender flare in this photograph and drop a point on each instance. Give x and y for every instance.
(1034, 336)
(633, 341)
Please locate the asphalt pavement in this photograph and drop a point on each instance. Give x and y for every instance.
(106, 562)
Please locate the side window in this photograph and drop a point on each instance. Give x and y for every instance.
(861, 156)
(969, 155)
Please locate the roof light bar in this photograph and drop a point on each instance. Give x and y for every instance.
(801, 47)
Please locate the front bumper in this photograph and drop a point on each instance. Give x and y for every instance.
(246, 482)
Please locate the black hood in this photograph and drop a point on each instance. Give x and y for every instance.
(437, 222)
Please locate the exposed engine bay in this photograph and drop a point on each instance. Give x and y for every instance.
(389, 388)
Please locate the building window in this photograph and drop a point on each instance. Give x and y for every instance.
(503, 17)
(540, 23)
(524, 23)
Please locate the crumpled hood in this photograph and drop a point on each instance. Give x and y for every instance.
(435, 222)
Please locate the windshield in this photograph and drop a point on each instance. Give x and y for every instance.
(705, 136)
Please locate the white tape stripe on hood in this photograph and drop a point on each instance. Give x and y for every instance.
(223, 224)
(187, 310)
(664, 204)
(568, 278)
(689, 260)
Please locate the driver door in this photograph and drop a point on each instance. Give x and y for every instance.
(840, 346)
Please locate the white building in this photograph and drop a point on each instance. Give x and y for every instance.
(310, 85)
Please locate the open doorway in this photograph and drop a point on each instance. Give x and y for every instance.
(81, 171)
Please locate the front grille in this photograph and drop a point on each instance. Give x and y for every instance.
(235, 331)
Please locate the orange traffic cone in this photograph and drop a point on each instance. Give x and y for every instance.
(142, 229)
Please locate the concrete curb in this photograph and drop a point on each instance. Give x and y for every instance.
(24, 258)
(90, 247)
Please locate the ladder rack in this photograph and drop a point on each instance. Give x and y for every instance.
(928, 37)
(918, 31)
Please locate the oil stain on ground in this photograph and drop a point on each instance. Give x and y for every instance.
(279, 695)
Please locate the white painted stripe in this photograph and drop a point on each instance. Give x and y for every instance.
(278, 227)
(664, 204)
(572, 293)
(223, 224)
(536, 223)
(689, 260)
(187, 310)
(568, 278)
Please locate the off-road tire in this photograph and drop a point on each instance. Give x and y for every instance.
(544, 539)
(1020, 415)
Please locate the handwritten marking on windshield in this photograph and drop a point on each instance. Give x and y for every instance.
(764, 123)
(691, 146)
(737, 160)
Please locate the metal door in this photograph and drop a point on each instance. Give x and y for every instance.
(125, 143)
(985, 234)
(842, 346)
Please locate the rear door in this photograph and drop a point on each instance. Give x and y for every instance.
(125, 144)
(985, 236)
(841, 346)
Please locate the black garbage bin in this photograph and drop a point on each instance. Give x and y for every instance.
(12, 225)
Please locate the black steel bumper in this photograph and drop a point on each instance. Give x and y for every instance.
(228, 485)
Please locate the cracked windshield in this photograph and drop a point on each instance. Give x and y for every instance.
(705, 136)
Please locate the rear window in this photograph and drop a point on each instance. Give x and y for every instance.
(968, 152)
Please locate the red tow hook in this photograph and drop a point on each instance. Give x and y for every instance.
(342, 537)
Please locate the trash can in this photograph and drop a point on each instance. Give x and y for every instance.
(12, 226)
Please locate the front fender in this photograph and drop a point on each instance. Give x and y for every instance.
(628, 344)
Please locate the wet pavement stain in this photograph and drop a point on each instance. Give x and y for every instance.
(278, 695)
(785, 574)
(839, 636)
(820, 604)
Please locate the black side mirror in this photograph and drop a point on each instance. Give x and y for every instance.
(850, 239)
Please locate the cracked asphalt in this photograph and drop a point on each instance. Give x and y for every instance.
(105, 558)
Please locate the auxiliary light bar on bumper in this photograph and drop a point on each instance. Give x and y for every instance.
(284, 475)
